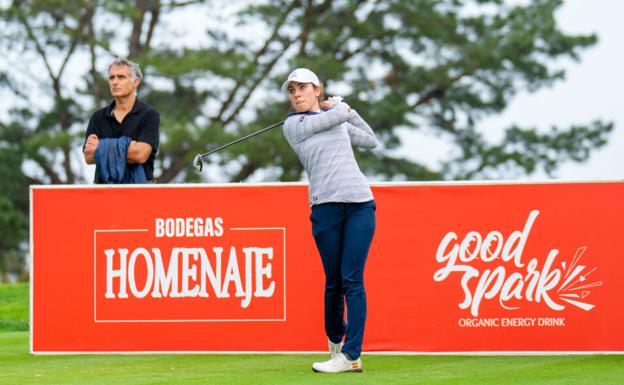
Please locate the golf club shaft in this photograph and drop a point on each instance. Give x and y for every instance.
(241, 139)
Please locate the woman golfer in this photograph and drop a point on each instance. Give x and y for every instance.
(321, 132)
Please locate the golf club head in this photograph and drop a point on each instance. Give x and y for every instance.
(198, 164)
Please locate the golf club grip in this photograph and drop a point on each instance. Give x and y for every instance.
(241, 139)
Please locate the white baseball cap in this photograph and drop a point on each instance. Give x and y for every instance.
(301, 75)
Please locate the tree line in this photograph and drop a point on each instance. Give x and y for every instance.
(433, 67)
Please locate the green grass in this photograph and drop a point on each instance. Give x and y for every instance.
(17, 366)
(14, 306)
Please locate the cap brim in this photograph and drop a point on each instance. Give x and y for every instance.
(285, 85)
(287, 82)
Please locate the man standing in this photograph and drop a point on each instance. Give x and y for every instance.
(122, 138)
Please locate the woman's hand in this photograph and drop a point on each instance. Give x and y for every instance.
(327, 104)
(331, 101)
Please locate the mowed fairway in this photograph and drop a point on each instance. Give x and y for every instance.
(17, 366)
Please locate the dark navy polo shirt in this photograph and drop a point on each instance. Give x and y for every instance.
(142, 124)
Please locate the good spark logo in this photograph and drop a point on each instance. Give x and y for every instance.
(556, 284)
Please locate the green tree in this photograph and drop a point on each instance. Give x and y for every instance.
(432, 66)
(13, 205)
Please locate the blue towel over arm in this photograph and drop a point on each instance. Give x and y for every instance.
(110, 159)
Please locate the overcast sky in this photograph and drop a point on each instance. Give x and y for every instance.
(593, 89)
(590, 91)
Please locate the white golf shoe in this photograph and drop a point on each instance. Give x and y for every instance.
(334, 349)
(338, 364)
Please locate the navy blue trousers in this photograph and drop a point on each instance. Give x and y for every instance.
(343, 233)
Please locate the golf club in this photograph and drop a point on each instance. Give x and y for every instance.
(198, 162)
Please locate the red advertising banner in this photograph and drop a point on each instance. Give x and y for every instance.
(479, 267)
